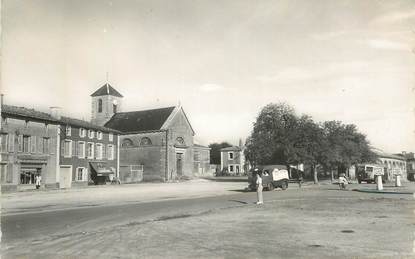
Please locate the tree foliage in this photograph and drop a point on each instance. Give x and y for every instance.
(280, 136)
(215, 151)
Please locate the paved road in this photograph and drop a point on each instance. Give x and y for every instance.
(58, 227)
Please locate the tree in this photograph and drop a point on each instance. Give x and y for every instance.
(346, 147)
(279, 136)
(215, 151)
(271, 141)
(309, 143)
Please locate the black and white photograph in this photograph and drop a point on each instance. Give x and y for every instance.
(207, 129)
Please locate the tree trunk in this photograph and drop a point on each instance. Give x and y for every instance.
(332, 175)
(313, 169)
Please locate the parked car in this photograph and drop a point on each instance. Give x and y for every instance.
(273, 176)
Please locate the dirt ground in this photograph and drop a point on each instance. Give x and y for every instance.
(317, 223)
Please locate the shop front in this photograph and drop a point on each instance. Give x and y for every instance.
(100, 173)
(28, 172)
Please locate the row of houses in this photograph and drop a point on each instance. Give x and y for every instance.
(146, 145)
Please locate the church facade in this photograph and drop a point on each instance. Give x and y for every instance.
(155, 144)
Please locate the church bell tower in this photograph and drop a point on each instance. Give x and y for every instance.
(106, 101)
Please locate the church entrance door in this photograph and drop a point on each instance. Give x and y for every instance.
(179, 164)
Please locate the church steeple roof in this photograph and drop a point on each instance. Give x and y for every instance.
(106, 89)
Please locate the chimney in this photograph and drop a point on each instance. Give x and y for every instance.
(55, 112)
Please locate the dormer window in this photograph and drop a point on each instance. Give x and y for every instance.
(100, 105)
(68, 130)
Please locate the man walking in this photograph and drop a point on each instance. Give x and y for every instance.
(259, 186)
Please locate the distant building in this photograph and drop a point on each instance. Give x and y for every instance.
(232, 160)
(156, 144)
(393, 164)
(201, 160)
(410, 164)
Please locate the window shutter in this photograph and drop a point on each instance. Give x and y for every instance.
(40, 145)
(20, 143)
(74, 147)
(63, 148)
(104, 154)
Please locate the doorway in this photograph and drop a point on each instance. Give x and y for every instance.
(179, 164)
(65, 180)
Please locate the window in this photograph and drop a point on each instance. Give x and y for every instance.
(145, 142)
(99, 105)
(196, 156)
(45, 146)
(81, 174)
(91, 133)
(82, 132)
(230, 155)
(11, 143)
(114, 108)
(231, 168)
(90, 150)
(99, 135)
(110, 137)
(67, 148)
(180, 141)
(3, 142)
(98, 154)
(26, 144)
(110, 152)
(68, 130)
(20, 143)
(127, 143)
(33, 144)
(81, 149)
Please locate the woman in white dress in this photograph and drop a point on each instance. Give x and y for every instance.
(259, 187)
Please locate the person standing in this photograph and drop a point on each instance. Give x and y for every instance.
(259, 187)
(300, 178)
(38, 180)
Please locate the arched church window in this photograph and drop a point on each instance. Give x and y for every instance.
(180, 141)
(145, 142)
(127, 143)
(99, 105)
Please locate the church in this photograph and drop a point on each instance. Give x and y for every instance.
(155, 145)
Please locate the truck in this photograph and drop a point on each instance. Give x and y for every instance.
(368, 172)
(273, 176)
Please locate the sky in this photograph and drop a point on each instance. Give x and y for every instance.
(352, 61)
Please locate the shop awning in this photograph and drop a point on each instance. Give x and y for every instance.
(101, 168)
